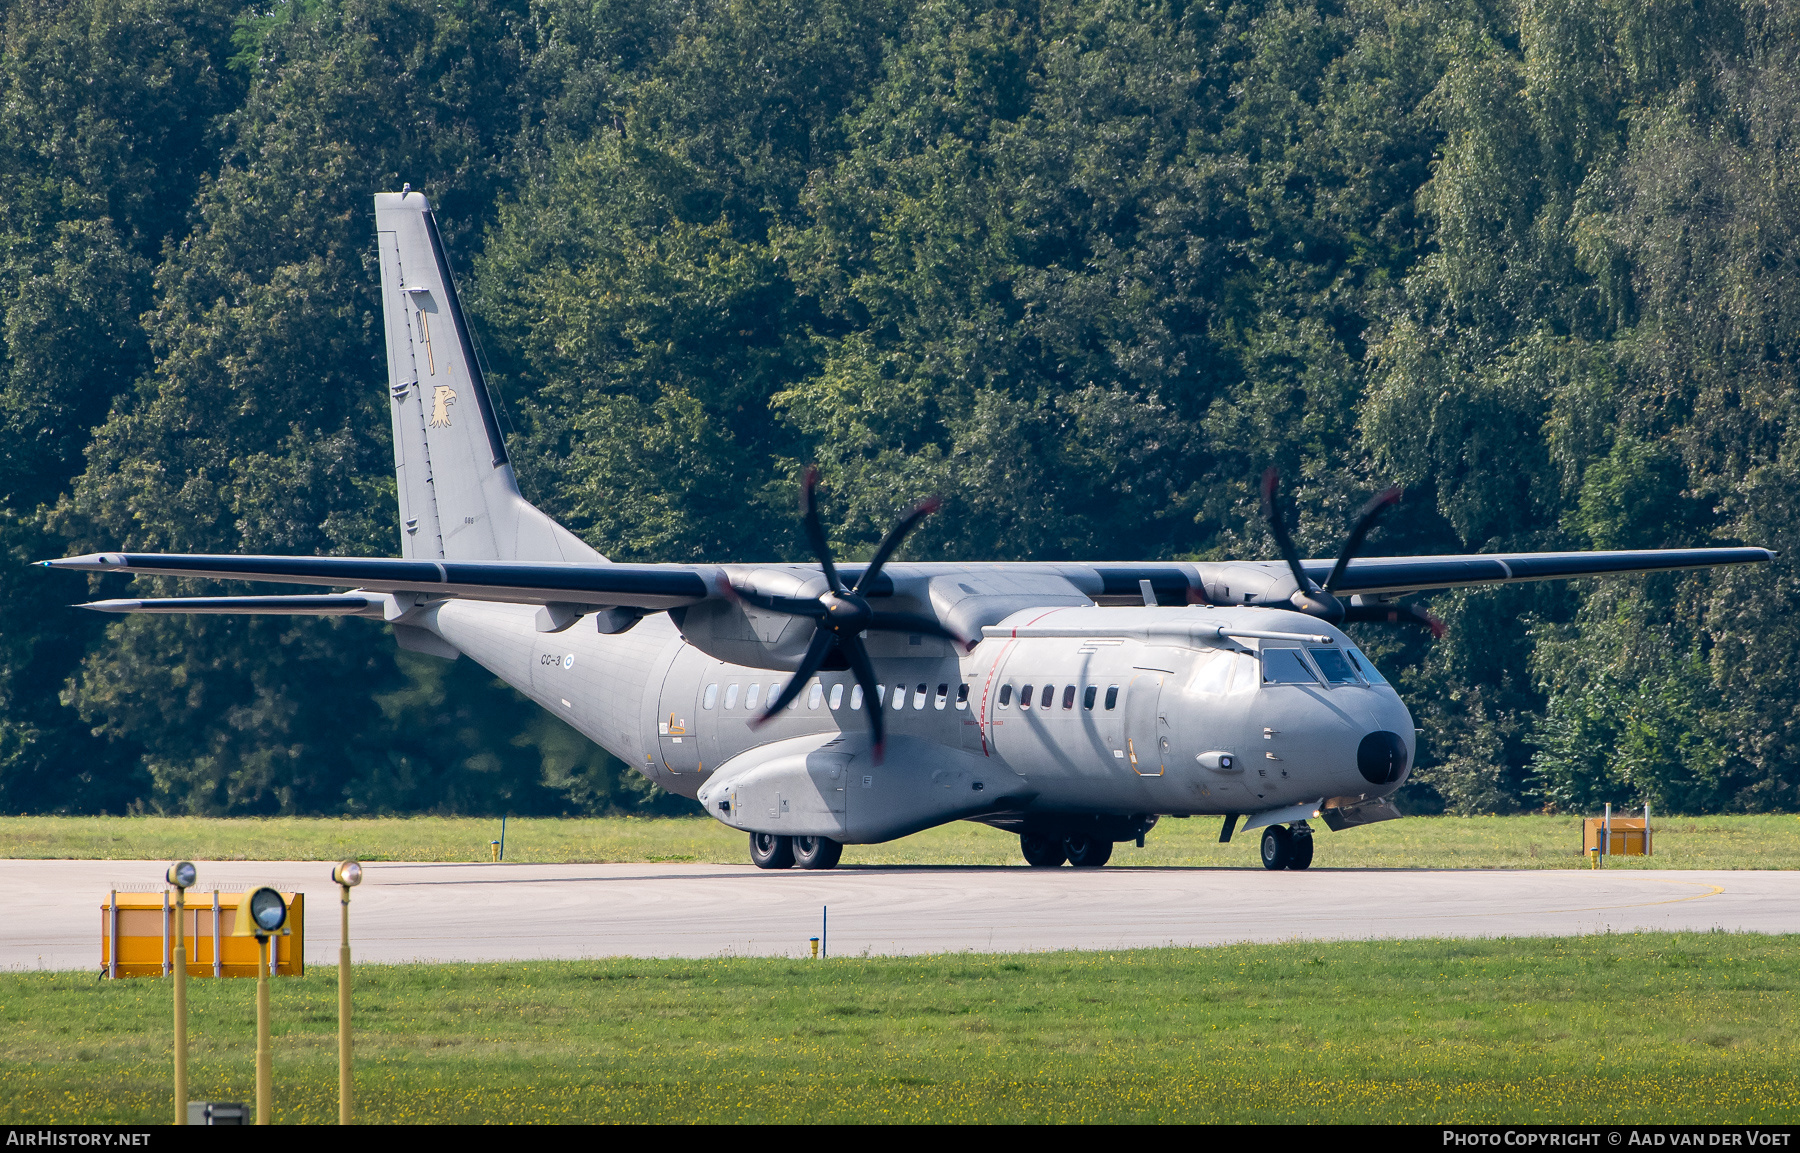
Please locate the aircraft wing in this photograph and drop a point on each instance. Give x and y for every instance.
(656, 587)
(648, 587)
(1382, 576)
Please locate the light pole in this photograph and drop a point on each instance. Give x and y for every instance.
(181, 875)
(267, 916)
(348, 875)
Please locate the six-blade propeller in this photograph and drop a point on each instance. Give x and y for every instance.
(1308, 597)
(842, 615)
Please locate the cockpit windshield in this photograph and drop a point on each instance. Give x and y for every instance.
(1286, 667)
(1333, 664)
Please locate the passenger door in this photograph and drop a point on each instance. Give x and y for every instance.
(677, 726)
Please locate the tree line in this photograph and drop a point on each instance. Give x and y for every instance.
(1084, 268)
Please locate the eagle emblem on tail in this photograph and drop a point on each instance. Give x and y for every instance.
(441, 400)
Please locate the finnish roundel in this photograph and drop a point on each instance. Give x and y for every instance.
(569, 661)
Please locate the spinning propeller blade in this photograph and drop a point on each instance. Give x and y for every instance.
(1308, 597)
(844, 615)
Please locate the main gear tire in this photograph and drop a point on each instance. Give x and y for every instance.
(771, 850)
(1087, 852)
(1300, 849)
(1277, 847)
(817, 852)
(1042, 852)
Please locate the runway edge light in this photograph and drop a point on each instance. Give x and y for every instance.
(182, 876)
(348, 875)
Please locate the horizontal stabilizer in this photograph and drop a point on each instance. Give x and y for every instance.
(339, 605)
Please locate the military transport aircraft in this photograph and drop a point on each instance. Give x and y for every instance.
(818, 705)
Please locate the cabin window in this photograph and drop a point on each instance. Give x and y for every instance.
(899, 697)
(731, 695)
(752, 695)
(1025, 697)
(943, 696)
(1006, 696)
(1286, 667)
(1069, 697)
(1336, 668)
(775, 694)
(814, 696)
(1047, 698)
(919, 695)
(1087, 697)
(1112, 697)
(711, 698)
(855, 697)
(962, 696)
(837, 696)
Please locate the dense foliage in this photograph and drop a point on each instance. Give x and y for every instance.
(1083, 267)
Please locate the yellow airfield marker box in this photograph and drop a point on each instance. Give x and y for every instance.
(138, 931)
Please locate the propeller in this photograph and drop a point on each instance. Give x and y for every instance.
(1308, 597)
(842, 615)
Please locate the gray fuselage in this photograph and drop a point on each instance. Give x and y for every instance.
(678, 715)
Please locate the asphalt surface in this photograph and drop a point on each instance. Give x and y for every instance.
(50, 913)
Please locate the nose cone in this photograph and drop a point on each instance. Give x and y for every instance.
(1381, 758)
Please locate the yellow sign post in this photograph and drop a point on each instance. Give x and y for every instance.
(348, 874)
(267, 918)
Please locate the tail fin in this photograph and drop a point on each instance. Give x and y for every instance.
(458, 497)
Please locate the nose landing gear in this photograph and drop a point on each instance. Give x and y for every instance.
(1287, 846)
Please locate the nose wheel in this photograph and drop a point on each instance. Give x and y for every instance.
(1285, 847)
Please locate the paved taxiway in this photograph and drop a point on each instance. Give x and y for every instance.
(50, 910)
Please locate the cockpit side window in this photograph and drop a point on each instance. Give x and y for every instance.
(1367, 668)
(1286, 667)
(1333, 664)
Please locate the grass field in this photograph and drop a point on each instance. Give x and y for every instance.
(1629, 1028)
(1526, 842)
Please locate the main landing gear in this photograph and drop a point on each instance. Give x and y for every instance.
(1047, 852)
(773, 851)
(1287, 846)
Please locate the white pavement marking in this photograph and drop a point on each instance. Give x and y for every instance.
(50, 910)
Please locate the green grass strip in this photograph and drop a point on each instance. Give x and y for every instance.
(1522, 842)
(1645, 1028)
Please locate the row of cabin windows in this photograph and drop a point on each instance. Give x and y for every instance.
(815, 696)
(1047, 697)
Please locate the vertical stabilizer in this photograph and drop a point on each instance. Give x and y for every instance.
(458, 497)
